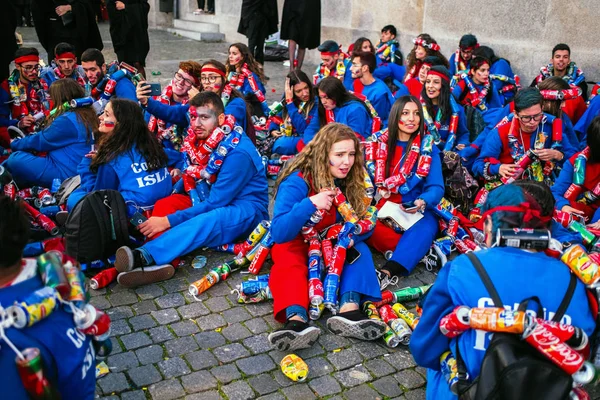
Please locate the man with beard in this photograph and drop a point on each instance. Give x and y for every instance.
(562, 66)
(71, 21)
(333, 63)
(22, 95)
(129, 31)
(64, 65)
(94, 66)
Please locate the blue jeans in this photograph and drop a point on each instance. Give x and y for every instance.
(296, 311)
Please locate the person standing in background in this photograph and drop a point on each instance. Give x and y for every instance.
(258, 20)
(8, 25)
(202, 3)
(129, 31)
(24, 12)
(301, 25)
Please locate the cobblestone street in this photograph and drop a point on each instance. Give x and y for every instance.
(167, 345)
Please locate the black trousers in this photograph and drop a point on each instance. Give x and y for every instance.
(257, 34)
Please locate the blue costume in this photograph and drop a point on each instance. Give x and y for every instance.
(237, 202)
(67, 355)
(452, 61)
(586, 119)
(516, 274)
(49, 74)
(287, 145)
(462, 132)
(66, 142)
(410, 247)
(124, 89)
(353, 113)
(494, 147)
(381, 99)
(390, 70)
(493, 100)
(288, 279)
(565, 179)
(502, 67)
(128, 174)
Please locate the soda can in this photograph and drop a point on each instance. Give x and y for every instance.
(579, 170)
(259, 258)
(443, 213)
(452, 229)
(33, 376)
(103, 347)
(327, 251)
(523, 238)
(330, 289)
(103, 278)
(204, 283)
(224, 270)
(573, 192)
(46, 197)
(10, 191)
(266, 241)
(388, 255)
(587, 236)
(557, 351)
(86, 318)
(294, 368)
(100, 326)
(347, 212)
(389, 337)
(109, 88)
(587, 374)
(450, 370)
(53, 274)
(573, 336)
(424, 166)
(379, 172)
(410, 293)
(481, 197)
(456, 322)
(33, 308)
(579, 393)
(369, 148)
(81, 102)
(578, 260)
(402, 312)
(50, 211)
(75, 279)
(387, 297)
(315, 311)
(495, 319)
(462, 247)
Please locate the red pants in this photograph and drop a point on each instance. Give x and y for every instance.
(384, 238)
(170, 205)
(289, 276)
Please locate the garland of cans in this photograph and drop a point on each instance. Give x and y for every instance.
(476, 97)
(28, 103)
(434, 126)
(163, 132)
(236, 81)
(105, 89)
(510, 84)
(80, 79)
(459, 64)
(573, 77)
(63, 286)
(324, 72)
(387, 51)
(560, 95)
(579, 173)
(376, 121)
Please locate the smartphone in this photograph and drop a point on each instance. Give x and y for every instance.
(352, 255)
(409, 206)
(137, 219)
(155, 89)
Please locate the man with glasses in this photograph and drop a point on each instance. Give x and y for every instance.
(461, 59)
(23, 95)
(94, 66)
(527, 128)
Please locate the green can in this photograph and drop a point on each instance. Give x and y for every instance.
(33, 377)
(579, 170)
(410, 293)
(53, 274)
(587, 236)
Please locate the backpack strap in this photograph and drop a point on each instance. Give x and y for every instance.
(487, 282)
(562, 308)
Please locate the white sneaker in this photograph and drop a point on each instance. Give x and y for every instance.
(385, 280)
(435, 258)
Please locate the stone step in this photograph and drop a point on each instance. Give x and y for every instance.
(200, 36)
(195, 26)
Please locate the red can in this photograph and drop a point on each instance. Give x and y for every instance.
(314, 246)
(363, 226)
(461, 246)
(379, 172)
(315, 288)
(100, 326)
(376, 124)
(424, 165)
(386, 312)
(381, 153)
(259, 259)
(453, 123)
(481, 197)
(10, 191)
(259, 95)
(452, 227)
(337, 263)
(563, 218)
(273, 169)
(110, 87)
(327, 250)
(579, 393)
(554, 349)
(47, 224)
(394, 181)
(571, 335)
(215, 138)
(103, 278)
(339, 197)
(387, 297)
(369, 151)
(456, 322)
(596, 190)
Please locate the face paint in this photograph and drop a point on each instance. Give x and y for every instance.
(109, 124)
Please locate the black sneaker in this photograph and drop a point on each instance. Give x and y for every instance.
(355, 324)
(127, 259)
(434, 258)
(146, 275)
(294, 335)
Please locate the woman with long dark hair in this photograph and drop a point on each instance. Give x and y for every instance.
(475, 88)
(300, 108)
(308, 190)
(66, 137)
(499, 67)
(579, 179)
(409, 151)
(424, 46)
(336, 104)
(247, 75)
(556, 93)
(128, 159)
(443, 117)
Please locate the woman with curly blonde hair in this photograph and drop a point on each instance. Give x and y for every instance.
(425, 46)
(333, 159)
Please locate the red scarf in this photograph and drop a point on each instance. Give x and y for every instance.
(164, 133)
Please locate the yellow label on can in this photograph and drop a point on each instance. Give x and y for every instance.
(294, 368)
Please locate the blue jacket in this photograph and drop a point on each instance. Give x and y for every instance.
(128, 174)
(67, 354)
(586, 119)
(452, 62)
(246, 89)
(502, 67)
(353, 113)
(381, 99)
(516, 274)
(66, 141)
(125, 90)
(395, 71)
(462, 132)
(293, 209)
(493, 100)
(241, 181)
(299, 121)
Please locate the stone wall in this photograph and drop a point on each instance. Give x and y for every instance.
(524, 32)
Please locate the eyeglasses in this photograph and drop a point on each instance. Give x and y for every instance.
(528, 118)
(29, 68)
(180, 78)
(209, 78)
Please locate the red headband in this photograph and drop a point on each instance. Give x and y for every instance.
(215, 70)
(68, 54)
(330, 53)
(523, 208)
(441, 75)
(469, 48)
(421, 42)
(24, 59)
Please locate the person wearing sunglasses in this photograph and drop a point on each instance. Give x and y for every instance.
(528, 128)
(22, 95)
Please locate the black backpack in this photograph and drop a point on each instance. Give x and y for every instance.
(511, 368)
(97, 226)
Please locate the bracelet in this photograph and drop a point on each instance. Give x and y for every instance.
(486, 172)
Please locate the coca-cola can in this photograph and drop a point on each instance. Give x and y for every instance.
(456, 322)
